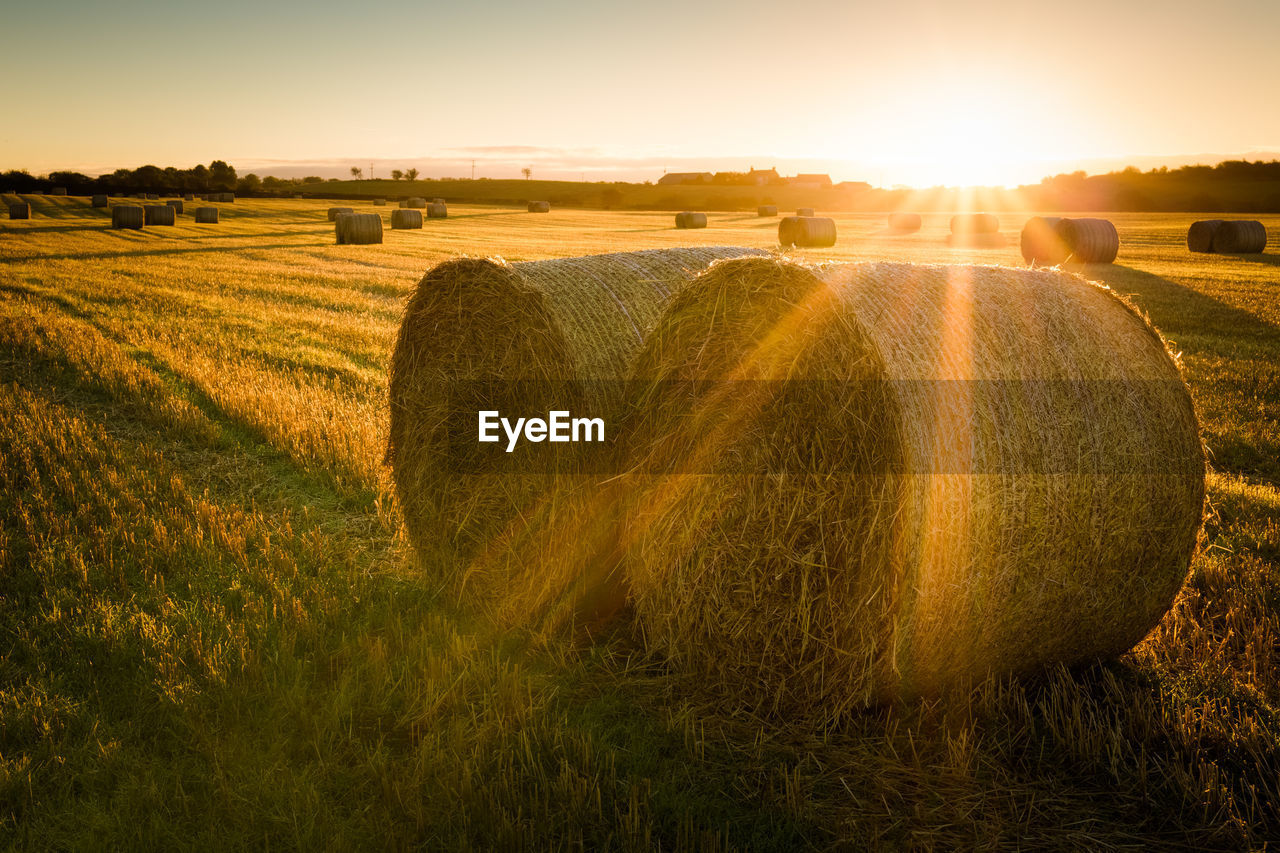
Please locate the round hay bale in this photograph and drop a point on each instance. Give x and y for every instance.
(379, 202)
(1200, 235)
(539, 207)
(207, 214)
(905, 222)
(188, 197)
(689, 219)
(767, 210)
(176, 205)
(153, 196)
(358, 229)
(897, 478)
(160, 214)
(1240, 237)
(974, 223)
(405, 218)
(807, 232)
(335, 212)
(1040, 242)
(416, 203)
(58, 191)
(437, 210)
(1090, 241)
(20, 210)
(478, 330)
(127, 216)
(99, 200)
(229, 198)
(804, 211)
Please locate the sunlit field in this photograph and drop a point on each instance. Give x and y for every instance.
(214, 633)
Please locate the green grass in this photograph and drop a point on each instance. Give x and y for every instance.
(212, 633)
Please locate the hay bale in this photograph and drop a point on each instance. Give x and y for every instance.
(188, 197)
(160, 214)
(99, 200)
(1090, 241)
(416, 203)
(539, 207)
(379, 202)
(437, 210)
(229, 198)
(153, 196)
(1240, 237)
(207, 214)
(689, 219)
(974, 223)
(804, 211)
(485, 334)
(1200, 235)
(176, 205)
(335, 212)
(807, 232)
(358, 229)
(58, 191)
(767, 210)
(437, 201)
(127, 216)
(20, 210)
(1040, 242)
(839, 517)
(406, 218)
(905, 222)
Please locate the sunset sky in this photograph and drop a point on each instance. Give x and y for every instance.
(905, 92)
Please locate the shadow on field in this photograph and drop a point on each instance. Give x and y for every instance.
(55, 229)
(1265, 258)
(96, 256)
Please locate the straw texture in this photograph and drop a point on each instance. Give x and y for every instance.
(405, 218)
(127, 216)
(335, 212)
(1240, 237)
(1090, 241)
(358, 229)
(810, 232)
(160, 214)
(999, 469)
(1200, 235)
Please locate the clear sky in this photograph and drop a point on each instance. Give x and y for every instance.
(906, 91)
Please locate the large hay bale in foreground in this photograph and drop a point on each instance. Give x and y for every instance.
(486, 335)
(405, 218)
(539, 207)
(1240, 237)
(358, 229)
(1200, 235)
(335, 212)
(905, 222)
(176, 205)
(690, 219)
(1090, 241)
(207, 214)
(974, 223)
(415, 203)
(1040, 242)
(99, 200)
(892, 479)
(20, 210)
(767, 210)
(127, 216)
(807, 232)
(437, 210)
(160, 214)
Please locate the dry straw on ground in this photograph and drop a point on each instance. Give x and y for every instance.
(905, 222)
(539, 207)
(160, 214)
(974, 223)
(127, 216)
(809, 232)
(335, 212)
(1091, 241)
(1200, 235)
(1240, 237)
(896, 527)
(690, 219)
(437, 210)
(405, 218)
(207, 214)
(1040, 242)
(20, 210)
(358, 229)
(473, 325)
(767, 210)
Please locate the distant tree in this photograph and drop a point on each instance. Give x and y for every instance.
(357, 172)
(313, 179)
(411, 175)
(611, 198)
(221, 176)
(149, 178)
(249, 184)
(527, 172)
(396, 174)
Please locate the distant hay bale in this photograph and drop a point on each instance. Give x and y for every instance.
(485, 334)
(153, 196)
(1240, 237)
(767, 210)
(437, 201)
(207, 214)
(834, 520)
(127, 216)
(1090, 241)
(160, 214)
(58, 191)
(379, 202)
(406, 218)
(176, 205)
(99, 201)
(416, 203)
(188, 197)
(437, 210)
(20, 210)
(807, 232)
(1200, 235)
(905, 222)
(539, 207)
(689, 219)
(229, 198)
(804, 211)
(358, 229)
(974, 223)
(335, 212)
(1040, 242)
